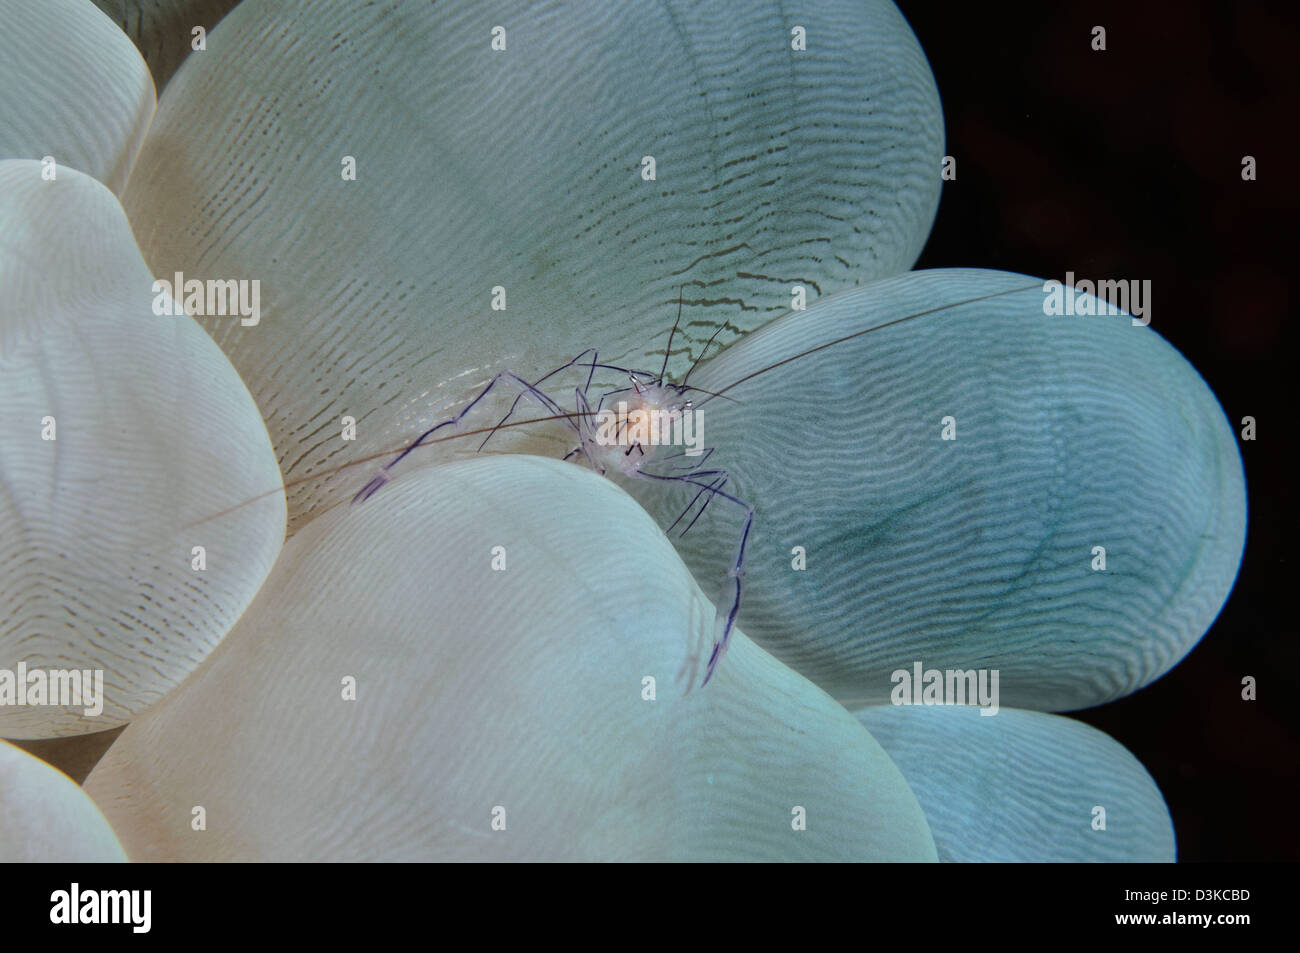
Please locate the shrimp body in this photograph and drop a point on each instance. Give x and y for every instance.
(638, 427)
(646, 430)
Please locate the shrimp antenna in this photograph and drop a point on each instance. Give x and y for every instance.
(330, 471)
(664, 370)
(876, 327)
(686, 387)
(716, 332)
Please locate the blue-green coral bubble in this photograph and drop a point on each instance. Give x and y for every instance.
(1070, 433)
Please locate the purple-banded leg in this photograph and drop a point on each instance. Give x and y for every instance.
(725, 620)
(384, 474)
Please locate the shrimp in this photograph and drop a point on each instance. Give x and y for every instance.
(627, 441)
(621, 442)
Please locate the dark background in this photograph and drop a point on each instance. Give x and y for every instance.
(1127, 164)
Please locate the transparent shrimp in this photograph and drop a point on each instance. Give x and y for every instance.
(612, 442)
(625, 442)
